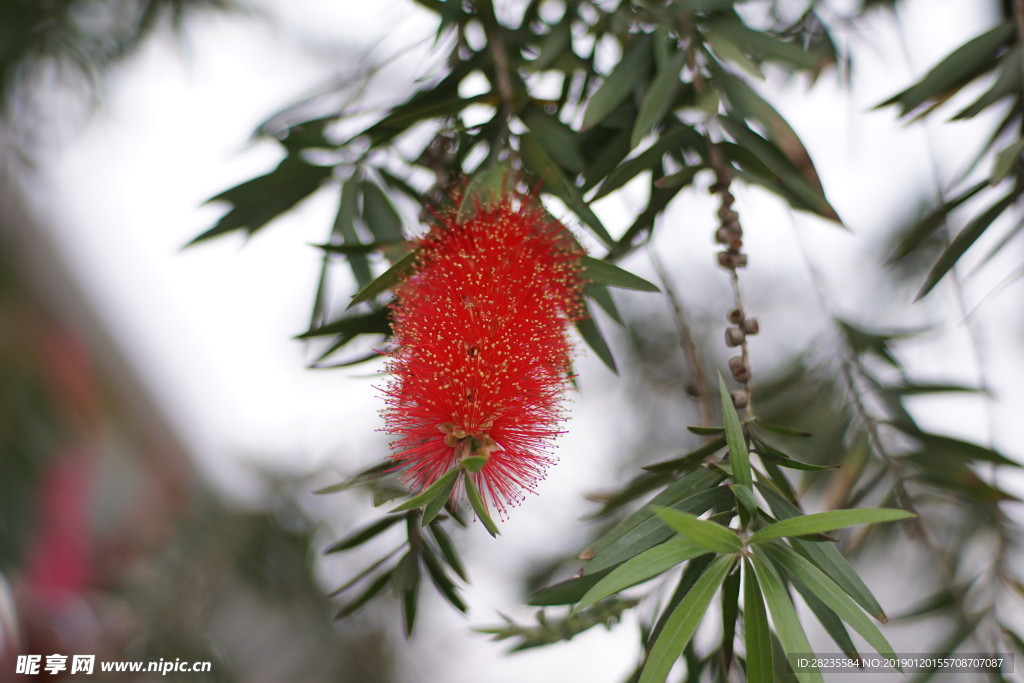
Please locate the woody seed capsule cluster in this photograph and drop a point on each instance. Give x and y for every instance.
(481, 356)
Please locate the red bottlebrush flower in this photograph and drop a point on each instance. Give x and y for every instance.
(482, 357)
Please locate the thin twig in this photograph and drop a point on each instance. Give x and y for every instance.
(686, 341)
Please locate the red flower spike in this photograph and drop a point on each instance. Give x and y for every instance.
(481, 357)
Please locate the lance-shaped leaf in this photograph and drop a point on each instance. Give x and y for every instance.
(555, 182)
(767, 451)
(827, 557)
(646, 565)
(820, 522)
(739, 457)
(441, 487)
(963, 241)
(689, 460)
(632, 69)
(787, 623)
(756, 634)
(380, 215)
(674, 139)
(362, 535)
(761, 44)
(658, 99)
(931, 222)
(479, 506)
(371, 592)
(683, 623)
(603, 298)
(256, 202)
(433, 506)
(484, 189)
(830, 620)
(643, 529)
(448, 552)
(386, 280)
(826, 590)
(566, 592)
(592, 335)
(960, 67)
(609, 274)
(708, 535)
(440, 579)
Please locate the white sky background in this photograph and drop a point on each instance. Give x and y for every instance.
(210, 327)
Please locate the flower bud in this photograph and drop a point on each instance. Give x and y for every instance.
(734, 336)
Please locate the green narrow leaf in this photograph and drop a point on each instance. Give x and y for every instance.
(769, 452)
(1007, 83)
(440, 499)
(730, 615)
(380, 215)
(751, 105)
(387, 279)
(608, 274)
(448, 552)
(556, 137)
(708, 535)
(931, 222)
(784, 177)
(787, 431)
(566, 592)
(727, 51)
(257, 202)
(745, 497)
(485, 189)
(1006, 160)
(365, 597)
(594, 338)
(762, 44)
(821, 522)
(378, 471)
(658, 99)
(363, 535)
(440, 579)
(756, 635)
(787, 623)
(347, 328)
(345, 227)
(690, 493)
(410, 599)
(957, 69)
(675, 139)
(705, 431)
(540, 162)
(479, 506)
(440, 488)
(963, 241)
(646, 565)
(827, 591)
(827, 557)
(679, 179)
(631, 70)
(739, 458)
(361, 249)
(366, 572)
(686, 617)
(556, 43)
(690, 459)
(600, 295)
(830, 620)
